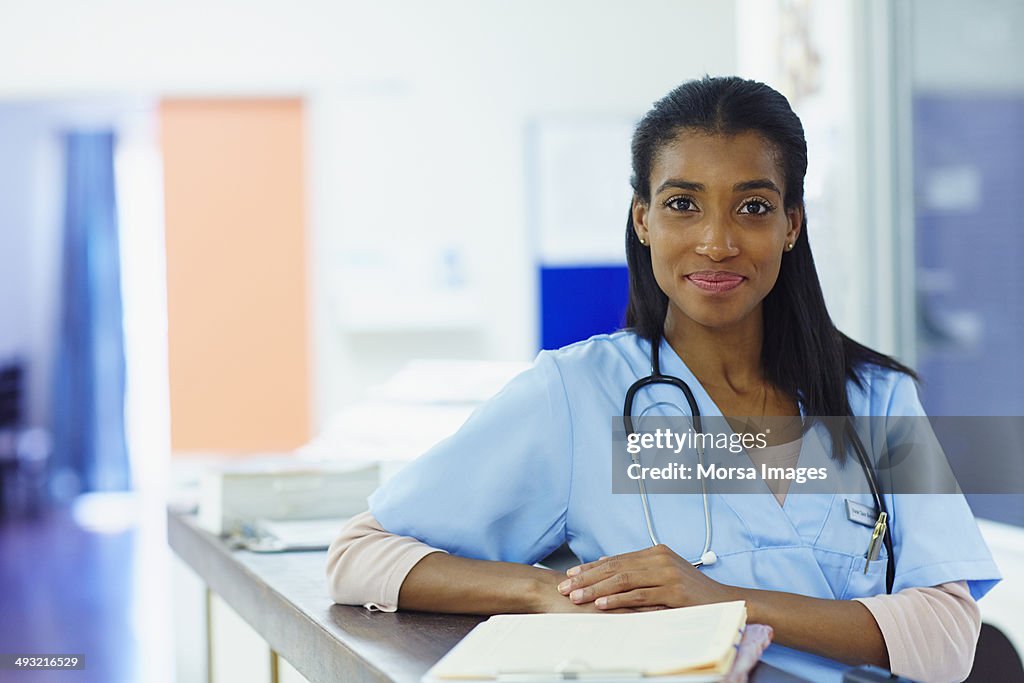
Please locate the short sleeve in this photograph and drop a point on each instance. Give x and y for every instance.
(498, 489)
(936, 539)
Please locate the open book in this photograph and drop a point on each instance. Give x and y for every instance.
(688, 643)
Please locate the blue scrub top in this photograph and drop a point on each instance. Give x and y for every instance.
(531, 469)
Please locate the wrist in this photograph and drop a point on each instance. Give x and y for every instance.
(755, 607)
(542, 589)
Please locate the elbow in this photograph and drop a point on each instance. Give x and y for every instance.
(366, 565)
(960, 667)
(968, 645)
(955, 663)
(337, 571)
(350, 561)
(950, 640)
(364, 562)
(962, 639)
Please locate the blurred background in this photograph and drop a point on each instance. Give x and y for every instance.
(223, 223)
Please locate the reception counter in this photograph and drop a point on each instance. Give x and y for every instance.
(283, 597)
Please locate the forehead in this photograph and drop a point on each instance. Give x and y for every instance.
(717, 159)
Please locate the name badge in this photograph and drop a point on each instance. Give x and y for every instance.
(859, 513)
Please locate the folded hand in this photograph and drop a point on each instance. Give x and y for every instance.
(646, 579)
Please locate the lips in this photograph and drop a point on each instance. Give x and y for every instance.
(716, 280)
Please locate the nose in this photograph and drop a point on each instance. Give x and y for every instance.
(716, 242)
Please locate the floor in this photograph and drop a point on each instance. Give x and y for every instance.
(82, 580)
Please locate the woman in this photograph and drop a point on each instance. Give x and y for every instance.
(723, 282)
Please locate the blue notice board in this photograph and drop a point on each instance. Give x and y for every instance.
(577, 302)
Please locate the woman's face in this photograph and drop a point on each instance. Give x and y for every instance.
(715, 225)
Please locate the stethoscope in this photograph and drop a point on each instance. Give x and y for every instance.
(707, 555)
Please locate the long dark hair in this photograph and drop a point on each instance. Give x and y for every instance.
(803, 353)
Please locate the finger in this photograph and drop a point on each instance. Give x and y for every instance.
(637, 599)
(644, 553)
(620, 582)
(573, 571)
(592, 572)
(598, 571)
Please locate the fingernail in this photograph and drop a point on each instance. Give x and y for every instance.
(564, 586)
(576, 595)
(601, 602)
(573, 571)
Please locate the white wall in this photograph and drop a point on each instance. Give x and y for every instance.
(417, 119)
(439, 158)
(550, 51)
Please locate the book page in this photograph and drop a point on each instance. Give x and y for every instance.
(650, 643)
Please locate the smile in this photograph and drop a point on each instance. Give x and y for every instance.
(715, 281)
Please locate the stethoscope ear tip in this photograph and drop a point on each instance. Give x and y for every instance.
(708, 558)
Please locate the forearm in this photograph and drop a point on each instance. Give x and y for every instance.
(458, 585)
(843, 630)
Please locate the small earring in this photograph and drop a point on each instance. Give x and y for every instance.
(789, 247)
(643, 241)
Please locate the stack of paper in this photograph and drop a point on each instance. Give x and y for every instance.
(688, 643)
(235, 495)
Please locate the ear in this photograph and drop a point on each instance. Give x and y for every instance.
(640, 209)
(796, 220)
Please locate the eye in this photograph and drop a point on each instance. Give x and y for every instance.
(680, 203)
(756, 207)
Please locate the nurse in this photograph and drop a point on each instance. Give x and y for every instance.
(723, 281)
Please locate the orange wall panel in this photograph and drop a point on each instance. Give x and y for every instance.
(236, 274)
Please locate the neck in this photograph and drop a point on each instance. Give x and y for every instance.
(719, 357)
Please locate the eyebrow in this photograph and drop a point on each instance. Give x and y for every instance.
(745, 186)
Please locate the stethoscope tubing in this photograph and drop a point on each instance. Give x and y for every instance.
(627, 412)
(707, 556)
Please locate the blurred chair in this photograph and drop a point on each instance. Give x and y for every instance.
(11, 379)
(23, 452)
(996, 659)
